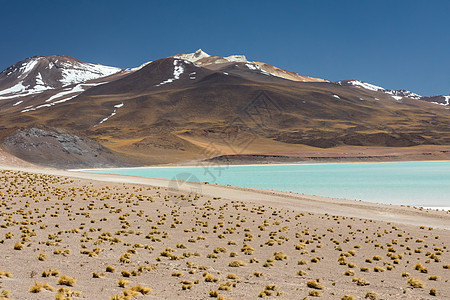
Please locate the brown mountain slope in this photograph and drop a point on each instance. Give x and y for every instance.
(172, 110)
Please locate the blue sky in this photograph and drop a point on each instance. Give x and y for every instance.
(395, 44)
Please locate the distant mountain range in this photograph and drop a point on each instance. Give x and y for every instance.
(397, 94)
(56, 110)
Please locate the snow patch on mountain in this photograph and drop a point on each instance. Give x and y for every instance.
(20, 90)
(255, 67)
(112, 114)
(27, 67)
(39, 80)
(140, 67)
(178, 69)
(250, 66)
(236, 58)
(361, 84)
(193, 57)
(403, 93)
(77, 90)
(81, 72)
(199, 54)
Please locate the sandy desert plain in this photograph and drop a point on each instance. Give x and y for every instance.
(70, 235)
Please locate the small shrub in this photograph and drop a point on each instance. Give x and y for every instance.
(315, 293)
(280, 256)
(141, 289)
(210, 278)
(371, 296)
(66, 280)
(232, 276)
(125, 273)
(214, 294)
(315, 285)
(18, 246)
(421, 268)
(415, 283)
(360, 281)
(49, 273)
(110, 269)
(97, 275)
(35, 288)
(220, 250)
(349, 273)
(123, 282)
(237, 263)
(42, 257)
(5, 294)
(225, 286)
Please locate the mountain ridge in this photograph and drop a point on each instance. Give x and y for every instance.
(198, 57)
(175, 110)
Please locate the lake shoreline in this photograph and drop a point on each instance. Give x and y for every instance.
(401, 214)
(421, 184)
(198, 164)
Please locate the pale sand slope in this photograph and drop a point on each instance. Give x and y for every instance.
(349, 246)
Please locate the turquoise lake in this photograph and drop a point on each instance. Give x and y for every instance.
(404, 183)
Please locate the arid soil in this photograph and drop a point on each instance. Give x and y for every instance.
(72, 234)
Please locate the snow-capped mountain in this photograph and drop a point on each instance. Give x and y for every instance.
(396, 94)
(215, 62)
(200, 57)
(173, 108)
(41, 73)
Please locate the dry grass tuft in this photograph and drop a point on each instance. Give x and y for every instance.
(123, 282)
(237, 263)
(110, 269)
(66, 280)
(315, 285)
(371, 296)
(141, 289)
(415, 283)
